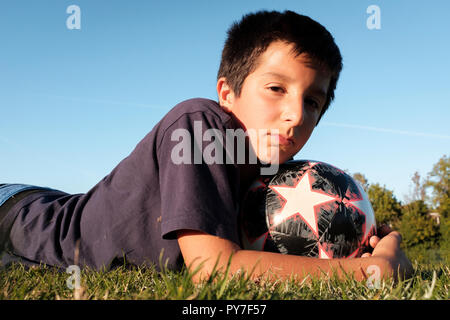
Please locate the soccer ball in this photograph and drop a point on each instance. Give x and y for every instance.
(309, 208)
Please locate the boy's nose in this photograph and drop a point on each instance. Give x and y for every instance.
(293, 113)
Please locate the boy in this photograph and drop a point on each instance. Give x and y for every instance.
(276, 79)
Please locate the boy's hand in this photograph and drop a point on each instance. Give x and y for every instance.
(388, 248)
(382, 231)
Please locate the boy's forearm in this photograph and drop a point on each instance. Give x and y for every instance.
(386, 260)
(276, 266)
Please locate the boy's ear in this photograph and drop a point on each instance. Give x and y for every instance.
(225, 94)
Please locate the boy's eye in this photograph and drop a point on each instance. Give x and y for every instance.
(276, 89)
(314, 104)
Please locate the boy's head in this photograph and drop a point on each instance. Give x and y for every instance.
(277, 76)
(251, 36)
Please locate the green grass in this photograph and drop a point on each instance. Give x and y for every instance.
(45, 283)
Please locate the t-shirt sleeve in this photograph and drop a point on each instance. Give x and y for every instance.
(196, 194)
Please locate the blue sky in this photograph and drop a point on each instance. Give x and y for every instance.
(74, 103)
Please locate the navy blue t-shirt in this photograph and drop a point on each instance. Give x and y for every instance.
(135, 211)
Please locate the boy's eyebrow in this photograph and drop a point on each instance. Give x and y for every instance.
(277, 75)
(314, 91)
(319, 92)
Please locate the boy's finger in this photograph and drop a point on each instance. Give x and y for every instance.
(393, 238)
(373, 241)
(366, 255)
(397, 235)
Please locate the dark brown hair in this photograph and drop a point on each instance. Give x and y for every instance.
(250, 37)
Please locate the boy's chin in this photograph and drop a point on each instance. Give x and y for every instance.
(274, 160)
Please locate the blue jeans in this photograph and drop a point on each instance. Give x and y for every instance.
(10, 189)
(6, 220)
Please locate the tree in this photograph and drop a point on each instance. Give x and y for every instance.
(439, 180)
(444, 243)
(420, 234)
(417, 227)
(386, 207)
(361, 179)
(419, 188)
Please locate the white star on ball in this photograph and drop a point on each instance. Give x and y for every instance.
(301, 200)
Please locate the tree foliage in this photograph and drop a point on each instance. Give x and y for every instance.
(386, 207)
(419, 188)
(417, 227)
(439, 181)
(444, 242)
(424, 239)
(361, 179)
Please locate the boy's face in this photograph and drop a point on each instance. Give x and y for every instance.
(281, 101)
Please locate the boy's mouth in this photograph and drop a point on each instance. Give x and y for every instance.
(282, 140)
